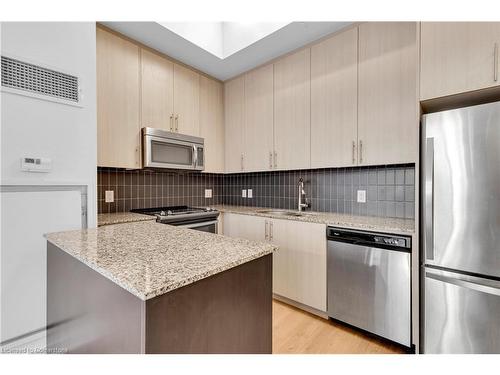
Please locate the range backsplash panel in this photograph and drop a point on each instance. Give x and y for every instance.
(390, 190)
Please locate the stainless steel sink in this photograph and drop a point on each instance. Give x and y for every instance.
(278, 212)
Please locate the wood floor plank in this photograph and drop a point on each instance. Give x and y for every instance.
(298, 332)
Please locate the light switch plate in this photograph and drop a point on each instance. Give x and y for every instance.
(109, 196)
(249, 193)
(208, 193)
(361, 196)
(243, 193)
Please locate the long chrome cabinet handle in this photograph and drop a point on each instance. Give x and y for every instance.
(360, 151)
(172, 122)
(265, 231)
(270, 231)
(495, 63)
(241, 161)
(353, 152)
(275, 159)
(270, 160)
(429, 199)
(177, 123)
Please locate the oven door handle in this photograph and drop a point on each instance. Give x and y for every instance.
(200, 224)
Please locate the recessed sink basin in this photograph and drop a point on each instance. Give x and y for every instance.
(282, 213)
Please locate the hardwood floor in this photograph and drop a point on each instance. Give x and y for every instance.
(298, 332)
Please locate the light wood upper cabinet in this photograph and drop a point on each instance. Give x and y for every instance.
(212, 123)
(234, 111)
(186, 100)
(334, 69)
(387, 99)
(157, 94)
(458, 57)
(292, 105)
(259, 146)
(118, 111)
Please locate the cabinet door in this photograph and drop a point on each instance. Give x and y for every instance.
(118, 124)
(292, 130)
(388, 105)
(259, 119)
(299, 265)
(157, 94)
(212, 123)
(186, 101)
(334, 106)
(458, 57)
(244, 226)
(234, 111)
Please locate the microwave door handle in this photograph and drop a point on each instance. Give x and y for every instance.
(195, 156)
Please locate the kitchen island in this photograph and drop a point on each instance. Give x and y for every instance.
(146, 287)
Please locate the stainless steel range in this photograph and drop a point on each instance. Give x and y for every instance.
(203, 219)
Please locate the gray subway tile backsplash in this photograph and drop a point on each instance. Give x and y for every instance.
(390, 190)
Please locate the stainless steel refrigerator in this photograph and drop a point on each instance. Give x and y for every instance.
(461, 230)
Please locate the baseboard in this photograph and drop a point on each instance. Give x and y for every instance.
(309, 309)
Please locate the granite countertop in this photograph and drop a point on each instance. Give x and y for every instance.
(122, 217)
(392, 225)
(149, 259)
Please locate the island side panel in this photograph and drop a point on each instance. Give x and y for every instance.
(88, 313)
(230, 312)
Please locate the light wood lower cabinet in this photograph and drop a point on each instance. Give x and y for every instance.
(458, 57)
(244, 226)
(212, 123)
(118, 111)
(299, 266)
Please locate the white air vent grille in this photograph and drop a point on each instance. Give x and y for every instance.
(36, 79)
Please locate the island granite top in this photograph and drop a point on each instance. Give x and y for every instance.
(149, 259)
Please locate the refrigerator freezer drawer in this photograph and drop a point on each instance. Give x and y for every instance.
(369, 288)
(462, 313)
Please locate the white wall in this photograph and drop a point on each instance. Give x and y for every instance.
(40, 128)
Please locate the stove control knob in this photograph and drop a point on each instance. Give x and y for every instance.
(162, 213)
(169, 212)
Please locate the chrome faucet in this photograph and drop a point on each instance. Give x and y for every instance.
(301, 205)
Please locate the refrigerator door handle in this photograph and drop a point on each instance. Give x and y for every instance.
(469, 282)
(429, 200)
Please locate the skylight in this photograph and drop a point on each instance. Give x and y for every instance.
(222, 39)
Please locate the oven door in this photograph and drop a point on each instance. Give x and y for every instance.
(168, 153)
(204, 226)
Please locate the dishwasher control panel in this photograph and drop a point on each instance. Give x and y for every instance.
(367, 238)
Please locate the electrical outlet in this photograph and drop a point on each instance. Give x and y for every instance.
(208, 193)
(249, 193)
(243, 193)
(109, 196)
(361, 196)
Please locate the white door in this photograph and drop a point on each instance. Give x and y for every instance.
(25, 218)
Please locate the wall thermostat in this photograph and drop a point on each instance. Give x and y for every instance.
(36, 164)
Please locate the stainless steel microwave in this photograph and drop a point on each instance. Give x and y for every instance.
(163, 149)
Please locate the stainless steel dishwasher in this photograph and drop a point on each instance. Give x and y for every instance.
(369, 282)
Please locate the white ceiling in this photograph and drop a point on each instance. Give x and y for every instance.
(225, 49)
